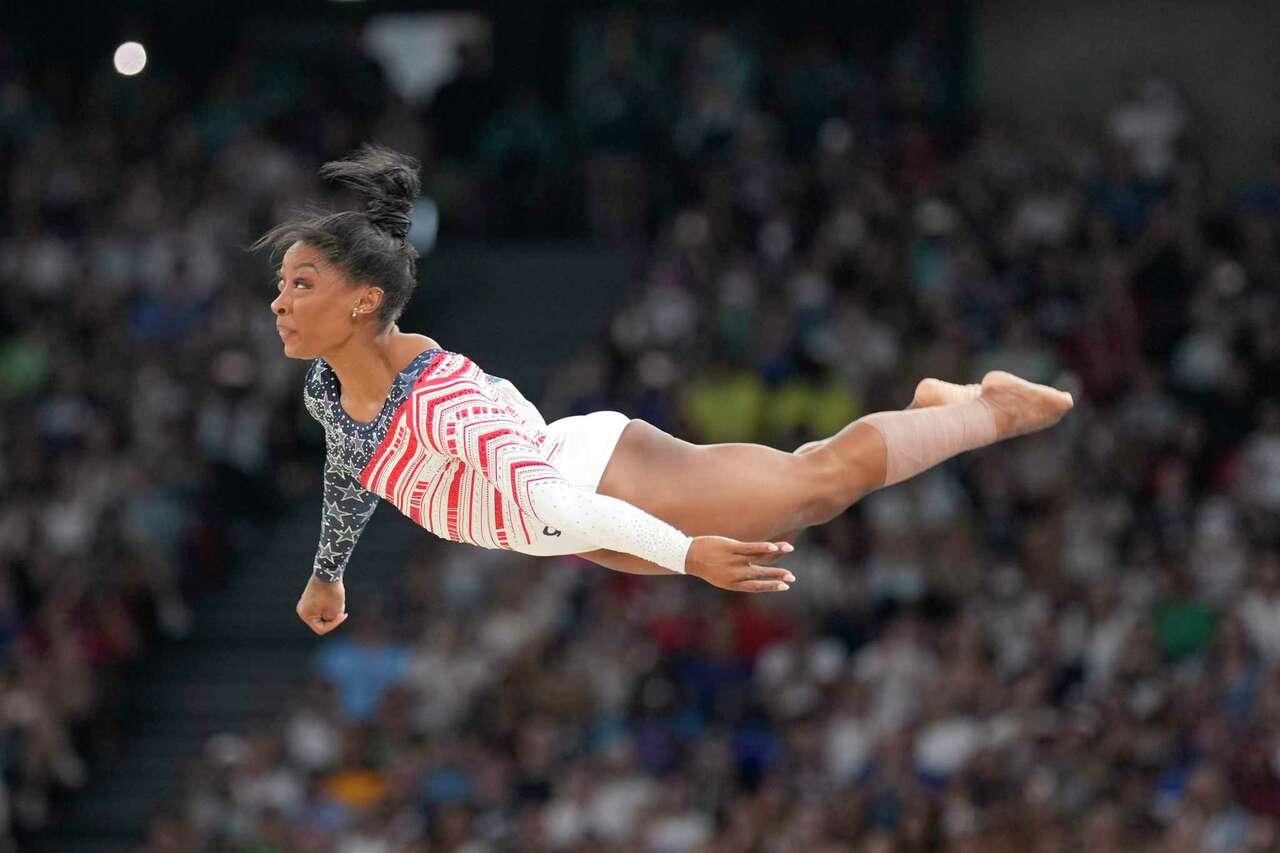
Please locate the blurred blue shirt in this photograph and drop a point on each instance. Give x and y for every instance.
(363, 673)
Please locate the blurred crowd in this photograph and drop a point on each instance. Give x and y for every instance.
(1063, 643)
(143, 404)
(1066, 642)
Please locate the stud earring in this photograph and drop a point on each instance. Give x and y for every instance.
(353, 313)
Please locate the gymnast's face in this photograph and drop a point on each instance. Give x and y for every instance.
(315, 301)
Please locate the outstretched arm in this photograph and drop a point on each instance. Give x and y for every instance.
(487, 437)
(460, 420)
(627, 563)
(754, 578)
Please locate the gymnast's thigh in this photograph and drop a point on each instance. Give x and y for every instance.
(745, 491)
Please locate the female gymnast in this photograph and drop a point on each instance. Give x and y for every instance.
(465, 455)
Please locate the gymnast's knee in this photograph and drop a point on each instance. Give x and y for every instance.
(829, 489)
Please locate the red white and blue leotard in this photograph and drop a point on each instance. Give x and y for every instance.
(464, 455)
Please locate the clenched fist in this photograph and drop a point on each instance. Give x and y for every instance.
(323, 605)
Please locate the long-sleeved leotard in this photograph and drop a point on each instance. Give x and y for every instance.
(464, 455)
(348, 506)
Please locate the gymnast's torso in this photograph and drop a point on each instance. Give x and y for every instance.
(453, 448)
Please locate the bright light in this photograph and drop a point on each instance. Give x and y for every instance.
(130, 58)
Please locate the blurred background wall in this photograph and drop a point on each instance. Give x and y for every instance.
(1055, 67)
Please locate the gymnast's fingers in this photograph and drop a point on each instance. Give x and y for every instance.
(767, 573)
(766, 559)
(321, 625)
(752, 549)
(760, 586)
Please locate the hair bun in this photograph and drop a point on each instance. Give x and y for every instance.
(389, 181)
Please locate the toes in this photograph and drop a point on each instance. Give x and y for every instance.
(926, 392)
(937, 392)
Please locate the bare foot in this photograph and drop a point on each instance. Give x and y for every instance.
(935, 392)
(1021, 407)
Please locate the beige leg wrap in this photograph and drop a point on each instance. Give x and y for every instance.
(918, 439)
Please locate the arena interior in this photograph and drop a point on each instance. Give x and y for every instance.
(738, 224)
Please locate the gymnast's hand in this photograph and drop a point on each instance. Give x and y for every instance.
(738, 566)
(323, 605)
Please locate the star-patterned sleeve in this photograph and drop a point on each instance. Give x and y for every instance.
(347, 509)
(496, 445)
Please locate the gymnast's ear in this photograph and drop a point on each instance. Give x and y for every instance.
(370, 299)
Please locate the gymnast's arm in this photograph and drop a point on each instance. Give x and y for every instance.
(347, 505)
(762, 579)
(497, 447)
(347, 508)
(495, 444)
(620, 562)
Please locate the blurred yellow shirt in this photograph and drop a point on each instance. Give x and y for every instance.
(357, 788)
(725, 407)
